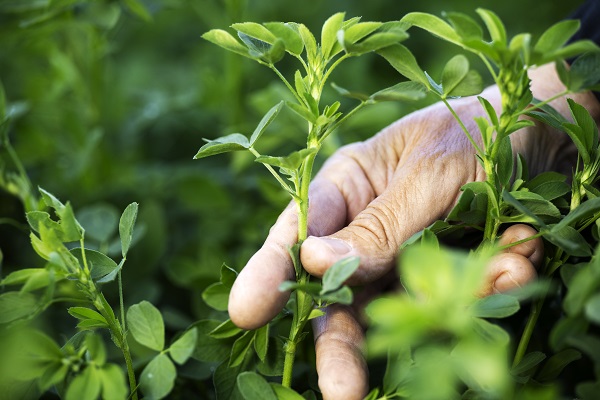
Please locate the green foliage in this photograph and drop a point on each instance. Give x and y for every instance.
(91, 122)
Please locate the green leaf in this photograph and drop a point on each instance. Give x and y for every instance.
(564, 329)
(225, 330)
(338, 273)
(550, 185)
(96, 349)
(240, 348)
(454, 72)
(146, 325)
(529, 361)
(403, 91)
(91, 324)
(505, 161)
(466, 27)
(31, 278)
(329, 34)
(310, 43)
(292, 162)
(225, 40)
(70, 229)
(495, 306)
(588, 126)
(99, 264)
(84, 386)
(225, 382)
(285, 393)
(158, 377)
(489, 110)
(312, 288)
(261, 342)
(583, 211)
(302, 111)
(225, 144)
(592, 309)
(588, 344)
(555, 365)
(342, 295)
(584, 72)
(350, 94)
(184, 346)
(113, 382)
(508, 198)
(583, 285)
(2, 103)
(139, 9)
(126, 224)
(228, 275)
(490, 332)
(253, 386)
(290, 36)
(571, 241)
(265, 121)
(16, 305)
(556, 36)
(84, 313)
(209, 349)
(256, 31)
(356, 32)
(217, 296)
(404, 62)
(432, 24)
(494, 25)
(100, 221)
(375, 42)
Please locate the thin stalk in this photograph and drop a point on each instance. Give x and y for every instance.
(330, 70)
(543, 103)
(120, 280)
(489, 66)
(344, 118)
(528, 331)
(303, 301)
(84, 258)
(283, 184)
(462, 126)
(287, 84)
(527, 239)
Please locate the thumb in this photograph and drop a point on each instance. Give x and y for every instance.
(413, 200)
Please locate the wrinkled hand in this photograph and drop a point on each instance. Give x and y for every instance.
(370, 197)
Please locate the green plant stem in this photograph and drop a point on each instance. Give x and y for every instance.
(344, 118)
(463, 127)
(528, 331)
(121, 302)
(279, 179)
(303, 301)
(527, 239)
(543, 103)
(287, 84)
(330, 70)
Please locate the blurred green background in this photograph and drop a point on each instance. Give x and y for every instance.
(111, 102)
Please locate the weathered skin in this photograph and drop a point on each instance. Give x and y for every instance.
(371, 196)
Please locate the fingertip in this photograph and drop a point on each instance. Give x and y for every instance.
(532, 249)
(255, 298)
(341, 366)
(507, 271)
(317, 254)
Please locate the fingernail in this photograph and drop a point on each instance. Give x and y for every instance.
(336, 246)
(505, 282)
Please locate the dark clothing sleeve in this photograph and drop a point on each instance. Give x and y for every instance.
(589, 15)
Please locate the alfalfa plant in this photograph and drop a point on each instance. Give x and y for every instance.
(76, 266)
(267, 44)
(560, 212)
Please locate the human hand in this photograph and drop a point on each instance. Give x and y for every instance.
(369, 198)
